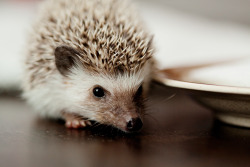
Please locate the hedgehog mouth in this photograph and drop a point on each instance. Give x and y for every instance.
(133, 125)
(102, 129)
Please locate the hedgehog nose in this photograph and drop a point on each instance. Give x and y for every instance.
(134, 124)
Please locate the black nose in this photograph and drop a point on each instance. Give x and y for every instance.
(134, 124)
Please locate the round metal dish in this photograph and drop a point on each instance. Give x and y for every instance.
(230, 104)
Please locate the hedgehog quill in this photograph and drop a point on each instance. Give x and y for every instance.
(89, 60)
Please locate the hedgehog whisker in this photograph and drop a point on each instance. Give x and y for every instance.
(152, 105)
(150, 116)
(96, 124)
(154, 119)
(169, 98)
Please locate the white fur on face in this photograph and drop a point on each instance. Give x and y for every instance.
(82, 84)
(48, 99)
(72, 94)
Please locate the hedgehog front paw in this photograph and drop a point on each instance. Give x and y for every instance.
(75, 121)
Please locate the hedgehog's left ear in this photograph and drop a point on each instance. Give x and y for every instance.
(65, 58)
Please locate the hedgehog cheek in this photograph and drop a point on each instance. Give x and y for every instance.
(65, 58)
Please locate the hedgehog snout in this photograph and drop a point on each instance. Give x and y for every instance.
(134, 124)
(129, 122)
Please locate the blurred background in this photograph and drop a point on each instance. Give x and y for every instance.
(186, 33)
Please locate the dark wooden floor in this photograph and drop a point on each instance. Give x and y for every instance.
(178, 132)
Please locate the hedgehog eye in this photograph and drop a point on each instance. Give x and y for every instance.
(98, 92)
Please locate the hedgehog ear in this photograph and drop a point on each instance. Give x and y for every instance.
(65, 59)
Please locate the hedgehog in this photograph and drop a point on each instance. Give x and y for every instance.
(89, 61)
